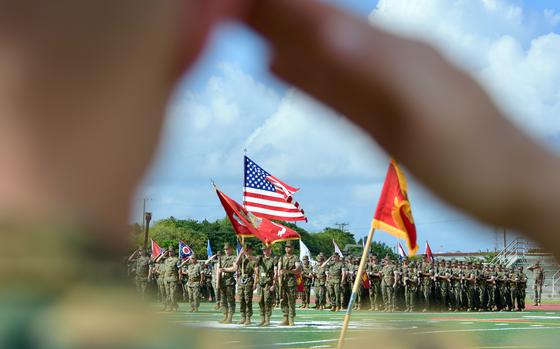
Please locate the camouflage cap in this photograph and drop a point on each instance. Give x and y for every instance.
(227, 245)
(305, 258)
(321, 256)
(289, 243)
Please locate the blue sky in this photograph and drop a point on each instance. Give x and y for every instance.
(230, 102)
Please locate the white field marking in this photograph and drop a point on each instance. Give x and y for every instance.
(550, 313)
(321, 346)
(466, 323)
(490, 330)
(537, 325)
(542, 317)
(502, 324)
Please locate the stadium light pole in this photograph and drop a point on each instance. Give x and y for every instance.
(147, 219)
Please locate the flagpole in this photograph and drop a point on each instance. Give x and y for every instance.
(355, 288)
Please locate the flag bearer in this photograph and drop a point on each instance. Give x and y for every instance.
(266, 277)
(247, 266)
(374, 273)
(288, 267)
(335, 273)
(227, 269)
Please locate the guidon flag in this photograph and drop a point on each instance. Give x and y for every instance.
(249, 225)
(393, 214)
(266, 196)
(156, 250)
(184, 250)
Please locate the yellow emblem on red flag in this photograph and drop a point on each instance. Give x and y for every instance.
(393, 214)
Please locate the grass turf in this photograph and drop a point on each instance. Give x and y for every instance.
(320, 329)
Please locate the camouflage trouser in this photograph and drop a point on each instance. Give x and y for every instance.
(194, 295)
(427, 292)
(266, 299)
(335, 294)
(506, 296)
(375, 296)
(389, 297)
(246, 299)
(492, 290)
(520, 297)
(345, 292)
(456, 295)
(227, 296)
(537, 288)
(469, 293)
(162, 290)
(445, 296)
(410, 297)
(481, 292)
(320, 295)
(358, 301)
(217, 293)
(171, 292)
(288, 297)
(306, 294)
(141, 285)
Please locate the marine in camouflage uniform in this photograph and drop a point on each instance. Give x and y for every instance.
(266, 280)
(288, 267)
(502, 288)
(226, 285)
(374, 274)
(444, 277)
(157, 273)
(195, 279)
(521, 288)
(184, 279)
(456, 291)
(389, 270)
(335, 272)
(410, 280)
(481, 287)
(351, 274)
(142, 270)
(470, 278)
(492, 288)
(539, 276)
(247, 268)
(427, 274)
(207, 287)
(320, 282)
(307, 275)
(170, 276)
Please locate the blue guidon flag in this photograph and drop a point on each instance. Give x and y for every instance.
(184, 250)
(267, 196)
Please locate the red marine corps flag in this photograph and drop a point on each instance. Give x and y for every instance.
(246, 224)
(393, 214)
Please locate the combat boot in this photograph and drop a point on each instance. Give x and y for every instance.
(243, 319)
(285, 322)
(223, 321)
(291, 321)
(247, 321)
(333, 308)
(229, 318)
(263, 320)
(266, 321)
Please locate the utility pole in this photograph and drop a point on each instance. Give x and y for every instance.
(505, 238)
(341, 226)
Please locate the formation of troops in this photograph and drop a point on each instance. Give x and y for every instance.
(409, 286)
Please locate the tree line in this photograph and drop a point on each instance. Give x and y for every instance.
(169, 231)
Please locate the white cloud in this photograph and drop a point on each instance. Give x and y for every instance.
(290, 136)
(511, 50)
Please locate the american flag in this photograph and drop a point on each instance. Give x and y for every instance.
(268, 197)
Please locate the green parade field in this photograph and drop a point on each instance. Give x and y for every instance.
(320, 329)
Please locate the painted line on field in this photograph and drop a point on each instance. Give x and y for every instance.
(489, 330)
